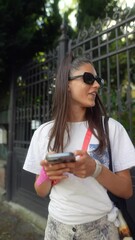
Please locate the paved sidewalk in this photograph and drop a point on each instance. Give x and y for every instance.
(13, 227)
(17, 222)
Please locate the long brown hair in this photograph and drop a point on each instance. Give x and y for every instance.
(61, 106)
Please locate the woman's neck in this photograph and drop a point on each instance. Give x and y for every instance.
(77, 115)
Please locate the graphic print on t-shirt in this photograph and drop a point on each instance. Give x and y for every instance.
(104, 158)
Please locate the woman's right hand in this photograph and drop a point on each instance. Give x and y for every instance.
(55, 171)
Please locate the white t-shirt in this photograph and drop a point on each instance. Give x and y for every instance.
(76, 200)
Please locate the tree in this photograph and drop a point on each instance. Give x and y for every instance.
(30, 27)
(26, 27)
(90, 11)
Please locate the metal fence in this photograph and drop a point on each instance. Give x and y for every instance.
(111, 46)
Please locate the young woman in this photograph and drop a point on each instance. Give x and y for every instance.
(80, 207)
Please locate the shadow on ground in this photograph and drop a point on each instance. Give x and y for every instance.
(13, 227)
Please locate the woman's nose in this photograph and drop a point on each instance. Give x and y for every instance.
(96, 84)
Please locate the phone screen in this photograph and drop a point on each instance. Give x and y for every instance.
(60, 157)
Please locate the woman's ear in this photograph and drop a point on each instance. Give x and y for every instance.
(69, 87)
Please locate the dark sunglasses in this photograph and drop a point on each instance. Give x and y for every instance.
(88, 78)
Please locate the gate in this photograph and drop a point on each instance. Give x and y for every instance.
(111, 46)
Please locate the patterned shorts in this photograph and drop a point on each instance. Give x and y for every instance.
(100, 229)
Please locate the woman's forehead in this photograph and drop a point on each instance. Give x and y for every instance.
(84, 67)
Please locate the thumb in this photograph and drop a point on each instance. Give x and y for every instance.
(79, 152)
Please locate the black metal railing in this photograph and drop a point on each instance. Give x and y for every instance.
(111, 46)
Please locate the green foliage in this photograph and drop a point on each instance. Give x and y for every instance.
(19, 29)
(30, 28)
(26, 28)
(89, 11)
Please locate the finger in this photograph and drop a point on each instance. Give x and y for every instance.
(80, 164)
(58, 177)
(57, 172)
(71, 165)
(81, 174)
(42, 162)
(80, 152)
(81, 170)
(57, 166)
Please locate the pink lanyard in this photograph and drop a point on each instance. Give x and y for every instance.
(86, 140)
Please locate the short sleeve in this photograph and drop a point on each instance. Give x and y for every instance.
(37, 150)
(123, 151)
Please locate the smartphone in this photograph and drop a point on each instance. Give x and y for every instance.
(60, 157)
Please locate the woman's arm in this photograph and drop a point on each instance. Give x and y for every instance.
(119, 183)
(44, 188)
(54, 173)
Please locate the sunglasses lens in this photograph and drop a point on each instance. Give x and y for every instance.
(88, 78)
(100, 81)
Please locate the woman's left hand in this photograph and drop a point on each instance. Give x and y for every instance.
(84, 165)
